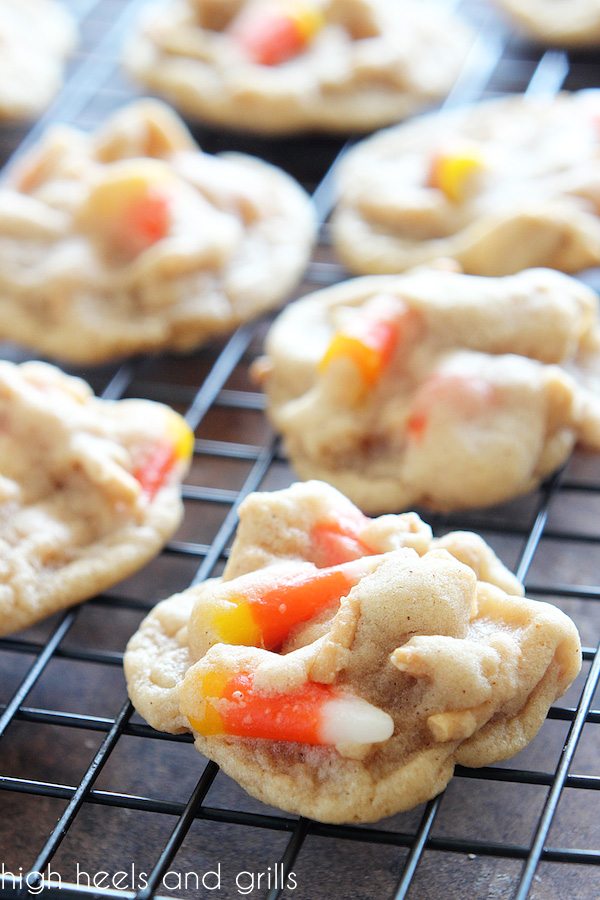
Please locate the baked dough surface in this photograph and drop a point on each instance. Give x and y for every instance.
(131, 239)
(531, 199)
(489, 385)
(572, 24)
(36, 36)
(435, 633)
(74, 518)
(373, 62)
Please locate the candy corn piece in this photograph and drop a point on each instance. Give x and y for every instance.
(369, 343)
(145, 221)
(468, 396)
(271, 34)
(130, 208)
(161, 458)
(262, 608)
(337, 540)
(218, 702)
(453, 172)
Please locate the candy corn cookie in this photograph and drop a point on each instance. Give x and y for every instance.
(35, 36)
(434, 387)
(343, 665)
(500, 186)
(131, 239)
(572, 24)
(89, 490)
(283, 66)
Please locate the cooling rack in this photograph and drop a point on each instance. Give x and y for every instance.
(93, 802)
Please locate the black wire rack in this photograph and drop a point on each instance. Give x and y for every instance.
(93, 802)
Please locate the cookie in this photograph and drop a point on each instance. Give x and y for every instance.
(346, 675)
(89, 490)
(131, 239)
(499, 186)
(36, 37)
(573, 24)
(284, 66)
(434, 387)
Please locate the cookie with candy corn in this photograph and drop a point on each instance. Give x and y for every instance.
(36, 37)
(315, 546)
(89, 490)
(499, 186)
(436, 388)
(347, 690)
(132, 239)
(285, 66)
(574, 24)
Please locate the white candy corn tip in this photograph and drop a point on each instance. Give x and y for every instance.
(351, 720)
(358, 568)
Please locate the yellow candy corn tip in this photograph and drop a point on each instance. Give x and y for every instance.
(123, 182)
(451, 173)
(341, 345)
(181, 436)
(209, 722)
(365, 358)
(213, 683)
(309, 19)
(235, 624)
(210, 686)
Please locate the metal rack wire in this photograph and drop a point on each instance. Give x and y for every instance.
(235, 453)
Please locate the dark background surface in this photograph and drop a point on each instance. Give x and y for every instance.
(62, 694)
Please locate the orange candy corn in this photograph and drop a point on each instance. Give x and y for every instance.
(416, 426)
(337, 541)
(145, 221)
(155, 468)
(272, 34)
(128, 207)
(312, 714)
(160, 459)
(269, 607)
(370, 346)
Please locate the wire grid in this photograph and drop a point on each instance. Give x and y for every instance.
(212, 390)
